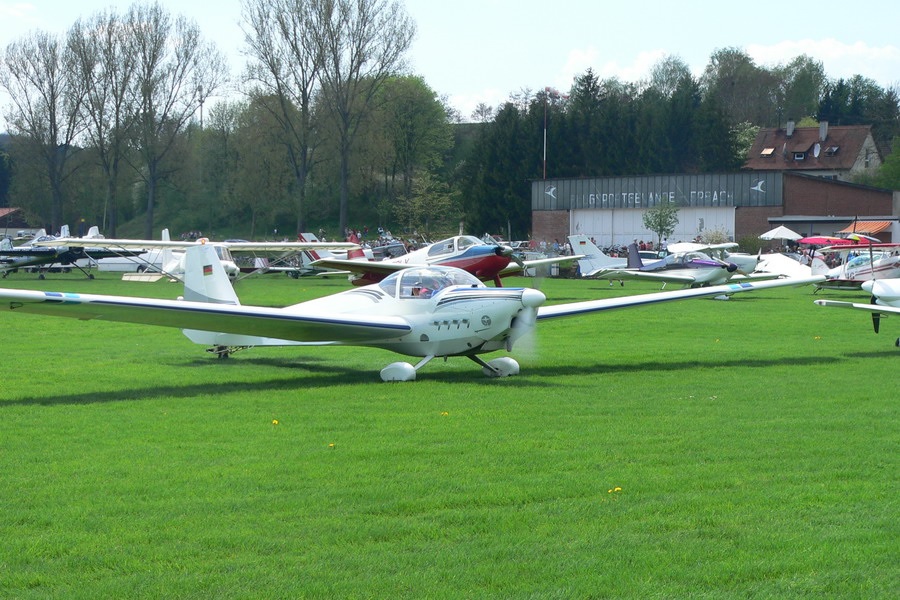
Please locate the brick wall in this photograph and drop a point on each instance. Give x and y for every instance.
(750, 221)
(821, 197)
(550, 225)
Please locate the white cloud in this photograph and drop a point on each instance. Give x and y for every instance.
(840, 59)
(18, 15)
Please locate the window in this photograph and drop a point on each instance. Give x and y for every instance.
(799, 155)
(767, 152)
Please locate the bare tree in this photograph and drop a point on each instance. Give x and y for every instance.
(362, 43)
(483, 113)
(175, 72)
(39, 75)
(285, 65)
(105, 65)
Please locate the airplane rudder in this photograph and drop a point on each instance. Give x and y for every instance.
(205, 279)
(634, 259)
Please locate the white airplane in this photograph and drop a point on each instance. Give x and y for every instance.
(488, 262)
(425, 312)
(167, 256)
(885, 301)
(859, 263)
(687, 267)
(746, 263)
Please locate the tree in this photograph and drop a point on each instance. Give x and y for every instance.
(107, 68)
(174, 74)
(5, 178)
(661, 219)
(668, 74)
(888, 175)
(362, 43)
(415, 125)
(39, 74)
(260, 188)
(430, 207)
(798, 87)
(744, 91)
(483, 113)
(285, 65)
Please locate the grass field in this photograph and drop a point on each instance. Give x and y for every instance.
(700, 449)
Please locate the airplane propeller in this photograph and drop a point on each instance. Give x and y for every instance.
(523, 324)
(508, 252)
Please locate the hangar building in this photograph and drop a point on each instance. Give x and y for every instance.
(794, 176)
(743, 204)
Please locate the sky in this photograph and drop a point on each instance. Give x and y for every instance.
(474, 51)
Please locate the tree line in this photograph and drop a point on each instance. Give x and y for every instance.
(110, 125)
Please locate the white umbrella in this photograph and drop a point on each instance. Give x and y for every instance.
(780, 233)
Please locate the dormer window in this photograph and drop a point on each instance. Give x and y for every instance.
(799, 155)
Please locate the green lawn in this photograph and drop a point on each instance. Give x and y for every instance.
(702, 449)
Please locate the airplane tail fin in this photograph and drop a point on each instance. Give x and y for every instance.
(204, 278)
(64, 231)
(356, 253)
(167, 260)
(634, 258)
(93, 233)
(310, 256)
(594, 258)
(817, 264)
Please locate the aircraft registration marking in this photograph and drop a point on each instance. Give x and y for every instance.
(59, 297)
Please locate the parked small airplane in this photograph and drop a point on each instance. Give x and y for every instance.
(167, 256)
(746, 263)
(689, 268)
(488, 262)
(859, 263)
(44, 251)
(885, 300)
(426, 311)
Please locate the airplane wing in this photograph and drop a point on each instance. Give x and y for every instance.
(579, 308)
(29, 252)
(644, 275)
(874, 308)
(379, 267)
(286, 246)
(233, 246)
(679, 247)
(248, 320)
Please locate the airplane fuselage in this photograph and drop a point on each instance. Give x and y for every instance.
(459, 320)
(861, 268)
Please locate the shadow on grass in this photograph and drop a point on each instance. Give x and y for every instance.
(315, 372)
(306, 375)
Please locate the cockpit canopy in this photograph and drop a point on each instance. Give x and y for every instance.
(425, 282)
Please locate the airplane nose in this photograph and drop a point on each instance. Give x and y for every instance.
(532, 298)
(732, 267)
(869, 285)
